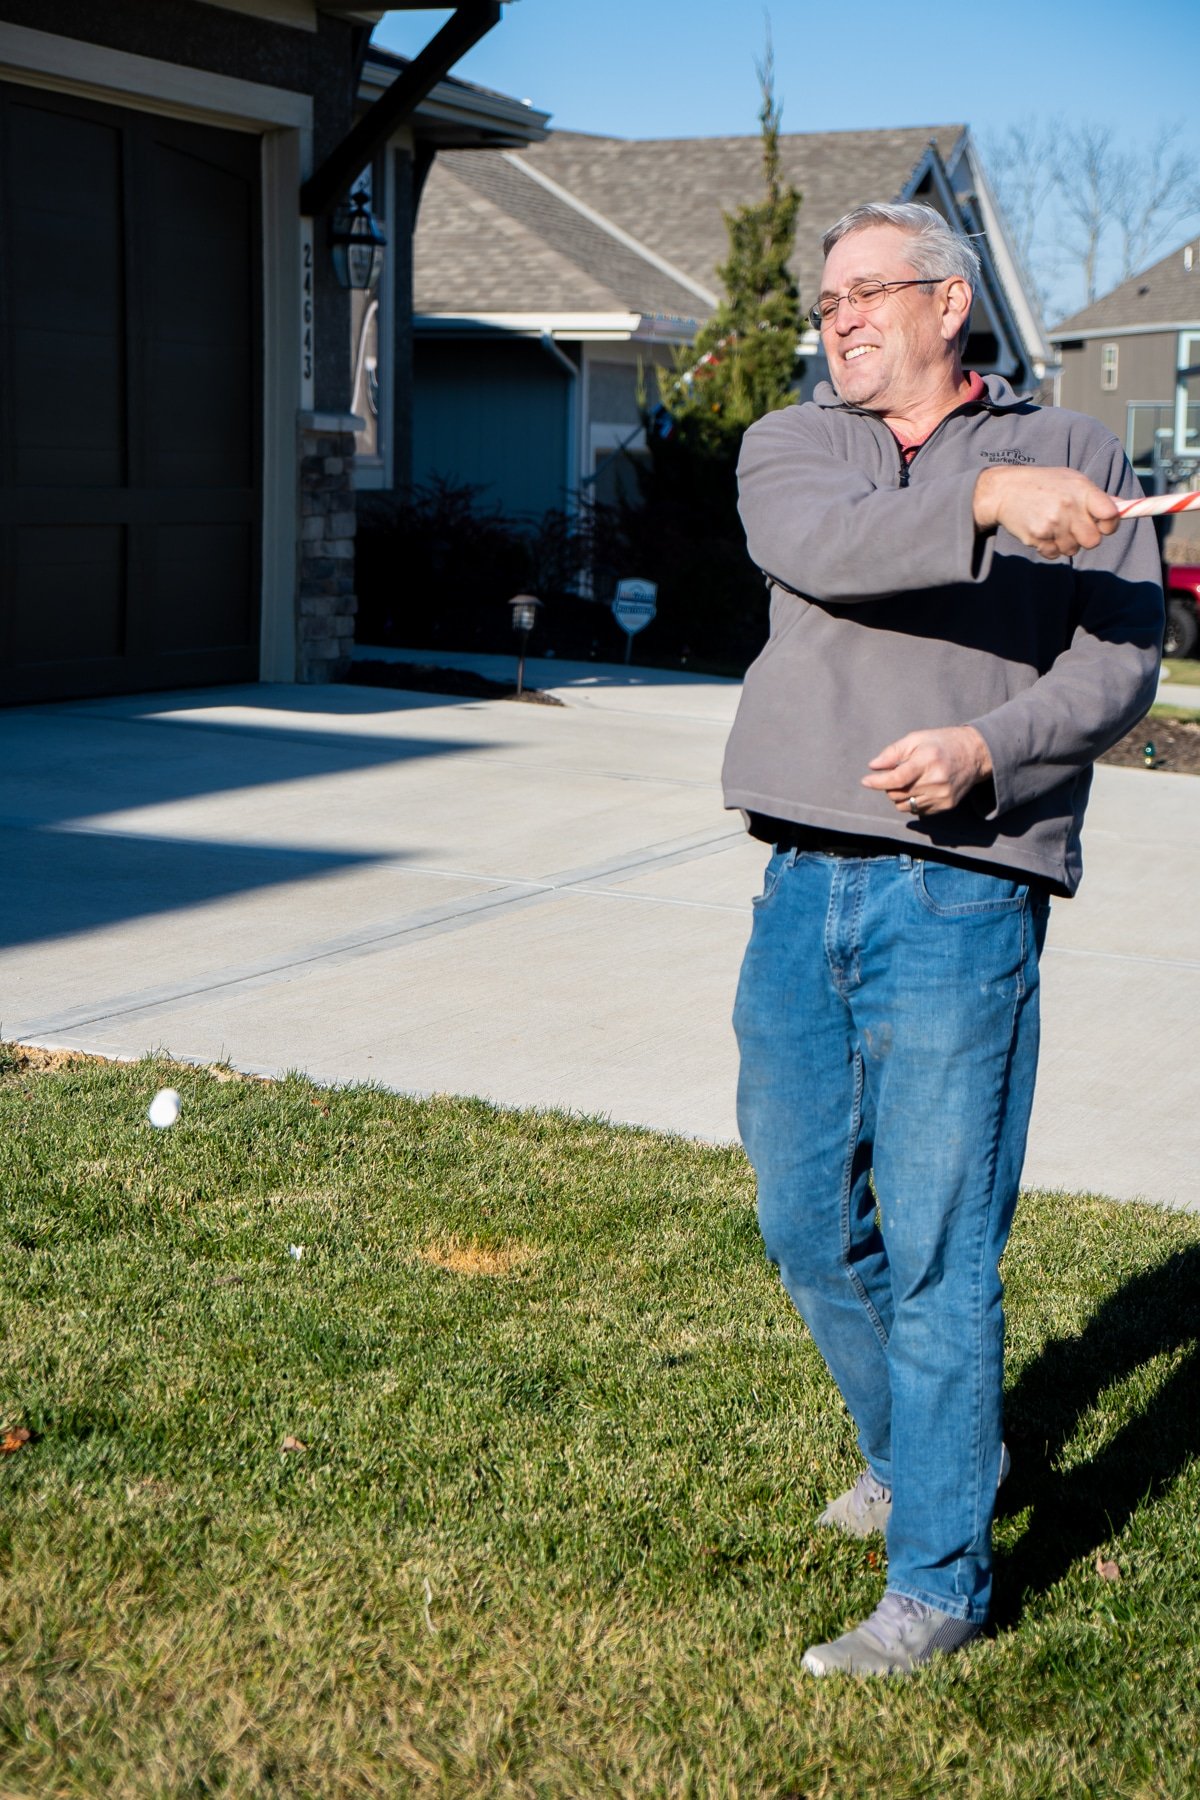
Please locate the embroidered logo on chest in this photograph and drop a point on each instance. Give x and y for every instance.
(1007, 456)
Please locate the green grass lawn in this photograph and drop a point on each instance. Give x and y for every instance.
(550, 1533)
(1162, 709)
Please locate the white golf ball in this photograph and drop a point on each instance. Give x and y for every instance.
(164, 1108)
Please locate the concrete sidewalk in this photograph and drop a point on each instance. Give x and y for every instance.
(542, 905)
(1181, 694)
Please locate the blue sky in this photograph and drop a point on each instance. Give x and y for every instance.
(682, 68)
(686, 68)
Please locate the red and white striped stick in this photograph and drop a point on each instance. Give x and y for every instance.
(1159, 503)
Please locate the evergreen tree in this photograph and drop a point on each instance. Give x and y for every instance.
(686, 535)
(743, 361)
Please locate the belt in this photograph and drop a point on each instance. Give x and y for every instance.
(840, 843)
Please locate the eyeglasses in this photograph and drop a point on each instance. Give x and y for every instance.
(864, 296)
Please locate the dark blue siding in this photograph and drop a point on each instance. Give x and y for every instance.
(492, 415)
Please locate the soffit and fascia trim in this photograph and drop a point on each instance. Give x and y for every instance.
(69, 65)
(1015, 351)
(457, 104)
(584, 327)
(1013, 278)
(1066, 335)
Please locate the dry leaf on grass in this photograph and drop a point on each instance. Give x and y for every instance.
(148, 1487)
(14, 1440)
(459, 1256)
(32, 1058)
(1107, 1571)
(293, 1443)
(223, 1072)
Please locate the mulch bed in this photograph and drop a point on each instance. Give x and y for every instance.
(1176, 746)
(422, 678)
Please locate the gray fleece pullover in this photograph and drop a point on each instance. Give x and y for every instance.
(891, 613)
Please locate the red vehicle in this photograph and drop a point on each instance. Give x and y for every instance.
(1182, 584)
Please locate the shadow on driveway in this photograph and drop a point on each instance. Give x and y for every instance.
(67, 766)
(56, 883)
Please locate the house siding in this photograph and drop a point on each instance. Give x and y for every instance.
(1146, 377)
(1145, 371)
(493, 416)
(613, 397)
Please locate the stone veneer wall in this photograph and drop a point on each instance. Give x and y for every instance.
(325, 598)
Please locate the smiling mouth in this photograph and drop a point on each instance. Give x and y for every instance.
(858, 350)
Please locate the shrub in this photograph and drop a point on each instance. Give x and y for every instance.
(436, 570)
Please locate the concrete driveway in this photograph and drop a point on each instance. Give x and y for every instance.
(542, 905)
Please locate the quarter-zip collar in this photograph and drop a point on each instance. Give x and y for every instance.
(991, 394)
(975, 393)
(998, 396)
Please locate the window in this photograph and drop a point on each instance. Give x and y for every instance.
(1187, 395)
(369, 329)
(617, 452)
(1108, 368)
(364, 345)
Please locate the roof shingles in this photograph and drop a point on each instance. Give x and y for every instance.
(469, 256)
(521, 248)
(1167, 293)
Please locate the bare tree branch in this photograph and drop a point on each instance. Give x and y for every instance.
(1021, 165)
(1020, 161)
(1081, 202)
(1089, 172)
(1155, 194)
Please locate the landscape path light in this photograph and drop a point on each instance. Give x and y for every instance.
(525, 609)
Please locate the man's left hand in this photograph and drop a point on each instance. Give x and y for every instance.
(934, 768)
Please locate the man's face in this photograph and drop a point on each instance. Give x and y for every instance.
(889, 358)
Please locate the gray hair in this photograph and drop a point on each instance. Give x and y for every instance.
(937, 252)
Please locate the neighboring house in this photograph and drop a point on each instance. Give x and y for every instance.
(1132, 360)
(177, 359)
(548, 283)
(455, 117)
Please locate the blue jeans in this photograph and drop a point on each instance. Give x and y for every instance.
(887, 1018)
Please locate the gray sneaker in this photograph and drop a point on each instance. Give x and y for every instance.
(899, 1636)
(865, 1509)
(862, 1510)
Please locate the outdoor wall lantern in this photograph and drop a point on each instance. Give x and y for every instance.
(356, 242)
(525, 609)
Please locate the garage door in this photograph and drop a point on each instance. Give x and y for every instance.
(130, 329)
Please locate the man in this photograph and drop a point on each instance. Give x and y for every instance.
(959, 627)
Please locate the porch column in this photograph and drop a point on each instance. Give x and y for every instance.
(325, 598)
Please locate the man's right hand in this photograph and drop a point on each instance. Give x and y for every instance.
(1055, 511)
